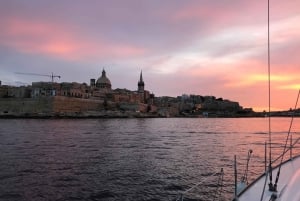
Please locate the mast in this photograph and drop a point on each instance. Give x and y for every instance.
(271, 187)
(269, 172)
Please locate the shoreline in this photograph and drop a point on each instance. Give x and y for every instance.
(127, 115)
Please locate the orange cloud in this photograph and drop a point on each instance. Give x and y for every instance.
(254, 79)
(291, 86)
(273, 78)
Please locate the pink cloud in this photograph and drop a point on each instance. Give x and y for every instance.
(57, 40)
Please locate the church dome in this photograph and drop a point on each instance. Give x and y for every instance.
(103, 81)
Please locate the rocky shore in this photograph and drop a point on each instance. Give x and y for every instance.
(123, 114)
(80, 115)
(64, 107)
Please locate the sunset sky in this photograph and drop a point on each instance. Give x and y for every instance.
(204, 47)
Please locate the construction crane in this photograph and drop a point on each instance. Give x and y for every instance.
(52, 76)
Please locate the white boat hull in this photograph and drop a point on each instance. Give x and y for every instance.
(288, 187)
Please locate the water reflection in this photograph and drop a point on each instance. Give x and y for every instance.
(129, 159)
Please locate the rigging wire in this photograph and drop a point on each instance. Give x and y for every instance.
(288, 149)
(245, 175)
(269, 172)
(273, 188)
(220, 183)
(286, 142)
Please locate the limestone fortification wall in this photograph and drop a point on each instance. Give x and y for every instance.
(70, 105)
(48, 105)
(25, 105)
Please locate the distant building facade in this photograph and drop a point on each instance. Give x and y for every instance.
(15, 92)
(99, 90)
(99, 96)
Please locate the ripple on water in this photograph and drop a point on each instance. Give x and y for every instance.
(102, 195)
(128, 159)
(10, 196)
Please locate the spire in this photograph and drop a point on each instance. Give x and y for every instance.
(103, 73)
(141, 76)
(141, 83)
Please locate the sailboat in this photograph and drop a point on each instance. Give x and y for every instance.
(279, 183)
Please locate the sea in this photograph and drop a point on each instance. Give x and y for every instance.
(143, 159)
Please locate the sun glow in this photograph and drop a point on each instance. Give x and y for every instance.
(291, 86)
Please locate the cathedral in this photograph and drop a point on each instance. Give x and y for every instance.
(102, 89)
(103, 82)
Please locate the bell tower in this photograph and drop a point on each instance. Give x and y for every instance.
(141, 84)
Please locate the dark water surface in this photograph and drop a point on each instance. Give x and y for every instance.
(129, 159)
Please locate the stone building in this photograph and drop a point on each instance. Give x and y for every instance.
(20, 92)
(74, 89)
(99, 91)
(41, 89)
(125, 95)
(3, 91)
(15, 92)
(145, 96)
(102, 88)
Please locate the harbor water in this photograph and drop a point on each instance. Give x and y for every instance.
(131, 159)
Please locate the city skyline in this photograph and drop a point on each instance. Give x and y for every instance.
(203, 47)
